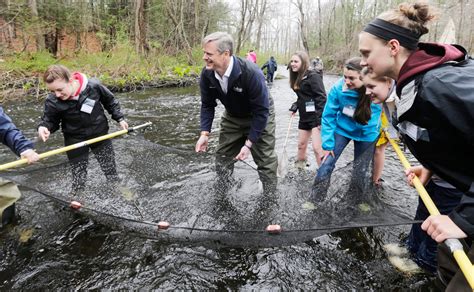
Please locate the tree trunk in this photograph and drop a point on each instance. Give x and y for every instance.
(469, 49)
(320, 33)
(181, 36)
(252, 9)
(243, 16)
(189, 53)
(197, 16)
(461, 11)
(141, 46)
(301, 21)
(39, 36)
(260, 20)
(205, 27)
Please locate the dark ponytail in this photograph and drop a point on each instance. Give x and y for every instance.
(363, 111)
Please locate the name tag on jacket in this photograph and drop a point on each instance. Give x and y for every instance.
(88, 106)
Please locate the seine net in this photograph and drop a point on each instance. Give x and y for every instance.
(159, 183)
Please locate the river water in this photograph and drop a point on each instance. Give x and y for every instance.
(50, 247)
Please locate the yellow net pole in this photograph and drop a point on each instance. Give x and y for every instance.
(74, 146)
(454, 244)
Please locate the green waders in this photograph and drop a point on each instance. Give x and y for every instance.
(233, 133)
(9, 194)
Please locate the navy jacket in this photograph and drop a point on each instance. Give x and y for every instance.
(247, 96)
(78, 124)
(11, 136)
(271, 65)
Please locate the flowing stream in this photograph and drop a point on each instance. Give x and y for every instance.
(51, 247)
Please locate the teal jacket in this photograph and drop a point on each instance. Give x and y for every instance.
(334, 121)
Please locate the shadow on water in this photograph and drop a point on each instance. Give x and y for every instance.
(52, 247)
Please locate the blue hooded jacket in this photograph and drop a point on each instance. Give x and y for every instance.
(11, 136)
(334, 121)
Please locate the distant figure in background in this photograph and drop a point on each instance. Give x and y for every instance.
(14, 139)
(252, 56)
(271, 66)
(317, 65)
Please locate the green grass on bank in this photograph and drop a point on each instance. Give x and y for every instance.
(119, 67)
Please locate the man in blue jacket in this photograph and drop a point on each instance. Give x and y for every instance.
(248, 123)
(14, 139)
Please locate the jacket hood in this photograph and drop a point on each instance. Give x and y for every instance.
(426, 57)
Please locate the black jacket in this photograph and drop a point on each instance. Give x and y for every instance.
(311, 89)
(442, 118)
(75, 123)
(247, 96)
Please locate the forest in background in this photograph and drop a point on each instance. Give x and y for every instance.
(131, 44)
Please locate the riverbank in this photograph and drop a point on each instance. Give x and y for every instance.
(121, 70)
(31, 87)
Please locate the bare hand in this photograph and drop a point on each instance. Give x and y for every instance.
(124, 125)
(422, 173)
(441, 227)
(202, 143)
(326, 153)
(243, 154)
(43, 133)
(30, 155)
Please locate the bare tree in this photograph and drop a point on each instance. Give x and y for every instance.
(320, 29)
(175, 11)
(39, 37)
(247, 17)
(260, 19)
(140, 27)
(460, 25)
(302, 24)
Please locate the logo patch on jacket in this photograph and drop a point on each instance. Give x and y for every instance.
(237, 89)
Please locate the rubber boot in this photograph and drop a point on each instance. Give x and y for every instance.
(8, 215)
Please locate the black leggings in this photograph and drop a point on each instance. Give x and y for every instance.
(79, 160)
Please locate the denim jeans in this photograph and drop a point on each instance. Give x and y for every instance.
(340, 144)
(360, 167)
(419, 243)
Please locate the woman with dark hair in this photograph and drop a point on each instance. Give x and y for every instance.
(435, 83)
(309, 88)
(348, 115)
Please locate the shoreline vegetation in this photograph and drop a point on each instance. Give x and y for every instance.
(121, 70)
(130, 45)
